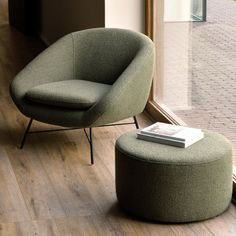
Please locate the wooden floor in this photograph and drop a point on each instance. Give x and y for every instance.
(49, 188)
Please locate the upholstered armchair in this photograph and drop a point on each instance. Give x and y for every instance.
(87, 79)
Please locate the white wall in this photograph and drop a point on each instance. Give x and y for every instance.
(128, 14)
(177, 10)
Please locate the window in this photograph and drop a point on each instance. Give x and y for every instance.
(195, 75)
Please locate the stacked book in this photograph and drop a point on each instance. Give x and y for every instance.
(174, 135)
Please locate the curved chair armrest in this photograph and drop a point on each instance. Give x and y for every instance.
(56, 63)
(128, 95)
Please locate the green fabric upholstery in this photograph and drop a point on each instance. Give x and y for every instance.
(74, 94)
(171, 184)
(120, 58)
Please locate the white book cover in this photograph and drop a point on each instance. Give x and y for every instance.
(167, 141)
(174, 132)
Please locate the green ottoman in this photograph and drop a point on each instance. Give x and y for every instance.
(171, 184)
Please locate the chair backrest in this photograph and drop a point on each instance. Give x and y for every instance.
(102, 54)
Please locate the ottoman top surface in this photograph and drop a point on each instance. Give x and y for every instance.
(212, 147)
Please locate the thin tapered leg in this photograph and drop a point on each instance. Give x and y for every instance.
(90, 140)
(26, 133)
(136, 122)
(91, 145)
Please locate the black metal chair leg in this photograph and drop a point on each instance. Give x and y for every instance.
(91, 145)
(136, 122)
(90, 140)
(26, 133)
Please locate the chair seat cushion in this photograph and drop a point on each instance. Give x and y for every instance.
(72, 94)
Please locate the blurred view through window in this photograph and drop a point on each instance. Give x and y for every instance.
(196, 70)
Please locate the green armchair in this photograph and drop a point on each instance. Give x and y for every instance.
(87, 79)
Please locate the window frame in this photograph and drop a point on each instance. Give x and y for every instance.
(157, 111)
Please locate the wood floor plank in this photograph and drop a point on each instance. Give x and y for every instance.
(12, 205)
(183, 230)
(29, 228)
(99, 182)
(65, 178)
(41, 200)
(8, 229)
(200, 229)
(125, 224)
(41, 228)
(87, 225)
(223, 224)
(232, 210)
(5, 137)
(13, 123)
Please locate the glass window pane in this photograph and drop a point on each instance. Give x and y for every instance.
(196, 54)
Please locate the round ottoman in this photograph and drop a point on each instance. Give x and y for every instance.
(171, 184)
